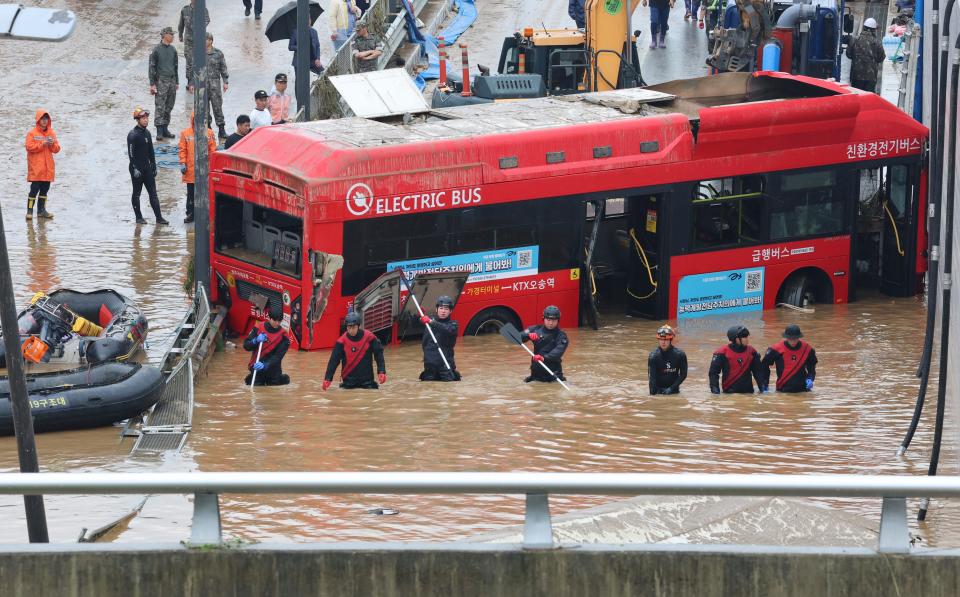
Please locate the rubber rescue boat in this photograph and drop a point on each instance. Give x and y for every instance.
(89, 397)
(74, 328)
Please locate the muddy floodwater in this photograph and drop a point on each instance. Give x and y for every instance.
(851, 423)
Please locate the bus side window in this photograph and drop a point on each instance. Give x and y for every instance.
(807, 204)
(728, 212)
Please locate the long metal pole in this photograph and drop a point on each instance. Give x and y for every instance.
(201, 210)
(303, 58)
(22, 419)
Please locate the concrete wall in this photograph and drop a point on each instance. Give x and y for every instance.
(300, 571)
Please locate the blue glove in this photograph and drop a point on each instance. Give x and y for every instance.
(261, 338)
(763, 389)
(809, 384)
(258, 366)
(183, 168)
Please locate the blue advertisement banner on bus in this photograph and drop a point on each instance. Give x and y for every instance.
(731, 291)
(483, 266)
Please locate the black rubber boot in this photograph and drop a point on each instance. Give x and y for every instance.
(42, 208)
(160, 135)
(166, 131)
(222, 133)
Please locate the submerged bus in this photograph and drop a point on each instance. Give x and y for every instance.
(724, 194)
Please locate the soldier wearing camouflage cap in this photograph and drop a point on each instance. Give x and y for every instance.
(164, 81)
(217, 75)
(185, 29)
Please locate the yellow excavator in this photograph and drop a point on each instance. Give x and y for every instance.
(539, 62)
(601, 57)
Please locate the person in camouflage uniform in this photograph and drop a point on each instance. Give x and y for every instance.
(164, 81)
(366, 49)
(185, 29)
(866, 55)
(216, 72)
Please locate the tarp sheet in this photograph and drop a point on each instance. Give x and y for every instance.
(466, 15)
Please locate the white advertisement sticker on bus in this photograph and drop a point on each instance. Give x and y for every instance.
(731, 291)
(482, 266)
(360, 200)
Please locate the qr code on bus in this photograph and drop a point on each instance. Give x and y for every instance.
(524, 259)
(753, 281)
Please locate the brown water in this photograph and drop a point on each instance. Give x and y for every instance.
(852, 423)
(491, 421)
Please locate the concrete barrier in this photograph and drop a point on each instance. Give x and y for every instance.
(459, 570)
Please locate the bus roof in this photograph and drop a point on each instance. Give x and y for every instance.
(705, 118)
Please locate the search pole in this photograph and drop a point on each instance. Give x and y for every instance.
(20, 406)
(201, 164)
(303, 58)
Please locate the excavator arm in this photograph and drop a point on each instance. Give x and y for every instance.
(610, 41)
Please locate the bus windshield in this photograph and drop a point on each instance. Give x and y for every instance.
(258, 235)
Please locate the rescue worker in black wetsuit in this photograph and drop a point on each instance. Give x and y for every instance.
(445, 330)
(795, 359)
(549, 344)
(736, 362)
(355, 351)
(275, 342)
(143, 166)
(667, 365)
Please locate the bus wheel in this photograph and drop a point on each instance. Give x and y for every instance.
(806, 287)
(489, 321)
(796, 291)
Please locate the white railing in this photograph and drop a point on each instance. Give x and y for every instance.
(206, 487)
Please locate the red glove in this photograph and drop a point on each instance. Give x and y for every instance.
(533, 336)
(425, 320)
(382, 378)
(326, 384)
(538, 358)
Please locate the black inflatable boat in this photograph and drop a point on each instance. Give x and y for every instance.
(90, 397)
(72, 328)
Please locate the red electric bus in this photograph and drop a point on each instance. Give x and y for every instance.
(725, 194)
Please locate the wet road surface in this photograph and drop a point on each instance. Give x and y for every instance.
(852, 423)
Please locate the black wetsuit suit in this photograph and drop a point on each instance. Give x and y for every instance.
(433, 368)
(274, 349)
(142, 159)
(802, 362)
(551, 344)
(666, 370)
(732, 356)
(356, 355)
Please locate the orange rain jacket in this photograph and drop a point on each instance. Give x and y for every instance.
(40, 166)
(187, 147)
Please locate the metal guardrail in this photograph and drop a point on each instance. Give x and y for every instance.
(538, 534)
(324, 99)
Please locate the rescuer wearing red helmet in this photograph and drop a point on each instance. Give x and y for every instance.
(549, 344)
(736, 362)
(795, 359)
(667, 364)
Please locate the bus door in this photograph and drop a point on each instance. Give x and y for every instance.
(324, 267)
(644, 234)
(898, 242)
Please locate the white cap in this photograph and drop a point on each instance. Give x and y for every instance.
(870, 23)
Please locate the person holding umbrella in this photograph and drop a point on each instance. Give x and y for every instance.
(283, 26)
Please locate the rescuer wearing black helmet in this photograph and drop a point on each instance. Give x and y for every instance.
(667, 365)
(270, 340)
(736, 362)
(795, 359)
(549, 344)
(355, 351)
(445, 330)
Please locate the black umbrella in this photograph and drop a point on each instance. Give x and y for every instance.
(283, 23)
